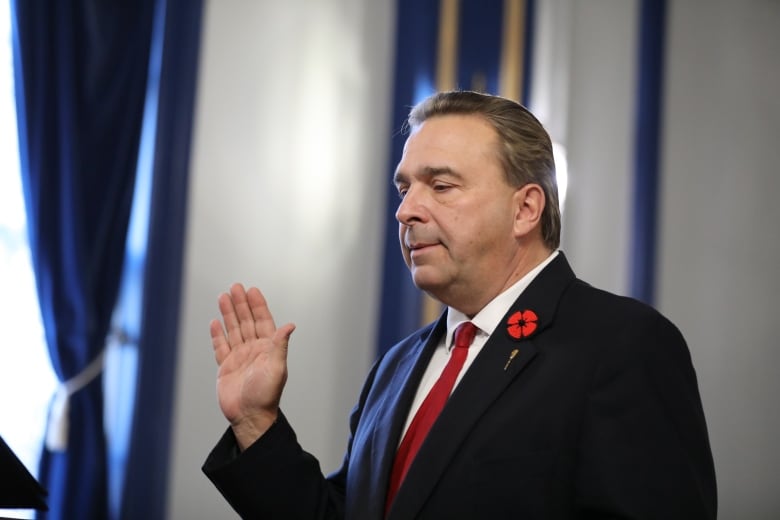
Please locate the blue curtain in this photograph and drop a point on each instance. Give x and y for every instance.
(81, 74)
(146, 480)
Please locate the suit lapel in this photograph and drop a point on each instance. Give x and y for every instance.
(399, 395)
(491, 372)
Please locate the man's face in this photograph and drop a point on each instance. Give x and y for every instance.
(457, 211)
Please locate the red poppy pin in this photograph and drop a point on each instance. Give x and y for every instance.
(522, 324)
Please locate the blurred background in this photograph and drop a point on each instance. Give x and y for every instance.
(167, 149)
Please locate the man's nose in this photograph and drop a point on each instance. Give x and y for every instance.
(411, 208)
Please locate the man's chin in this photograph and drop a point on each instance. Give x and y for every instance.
(427, 281)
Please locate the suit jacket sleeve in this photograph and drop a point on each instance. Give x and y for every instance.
(276, 478)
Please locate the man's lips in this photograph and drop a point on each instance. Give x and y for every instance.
(419, 248)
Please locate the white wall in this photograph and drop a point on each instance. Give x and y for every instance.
(719, 253)
(289, 171)
(599, 140)
(583, 85)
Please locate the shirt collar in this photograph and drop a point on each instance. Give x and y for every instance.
(489, 317)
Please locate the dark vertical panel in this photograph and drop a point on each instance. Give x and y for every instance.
(415, 66)
(528, 50)
(647, 150)
(479, 46)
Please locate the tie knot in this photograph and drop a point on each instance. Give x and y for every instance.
(464, 334)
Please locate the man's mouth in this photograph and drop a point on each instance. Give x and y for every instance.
(420, 247)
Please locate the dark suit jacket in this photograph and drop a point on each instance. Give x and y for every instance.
(597, 416)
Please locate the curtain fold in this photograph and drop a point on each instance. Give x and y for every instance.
(146, 481)
(80, 79)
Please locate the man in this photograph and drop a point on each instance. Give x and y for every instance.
(570, 402)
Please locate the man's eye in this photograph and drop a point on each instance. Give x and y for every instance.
(441, 187)
(402, 193)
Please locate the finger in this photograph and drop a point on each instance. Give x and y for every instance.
(281, 339)
(264, 321)
(246, 321)
(228, 311)
(219, 341)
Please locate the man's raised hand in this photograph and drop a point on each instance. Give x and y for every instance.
(252, 357)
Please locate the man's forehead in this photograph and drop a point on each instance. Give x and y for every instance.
(451, 132)
(446, 143)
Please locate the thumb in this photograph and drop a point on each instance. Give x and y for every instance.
(281, 339)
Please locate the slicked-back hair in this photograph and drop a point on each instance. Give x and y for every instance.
(526, 150)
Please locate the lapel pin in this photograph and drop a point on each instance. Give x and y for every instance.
(522, 324)
(511, 357)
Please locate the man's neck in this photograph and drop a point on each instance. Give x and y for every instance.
(528, 259)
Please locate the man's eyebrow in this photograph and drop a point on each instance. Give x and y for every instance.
(429, 171)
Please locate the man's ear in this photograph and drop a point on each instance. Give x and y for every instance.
(529, 205)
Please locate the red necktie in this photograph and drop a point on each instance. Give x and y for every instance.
(429, 409)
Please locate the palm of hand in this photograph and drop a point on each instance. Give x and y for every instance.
(252, 357)
(250, 379)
